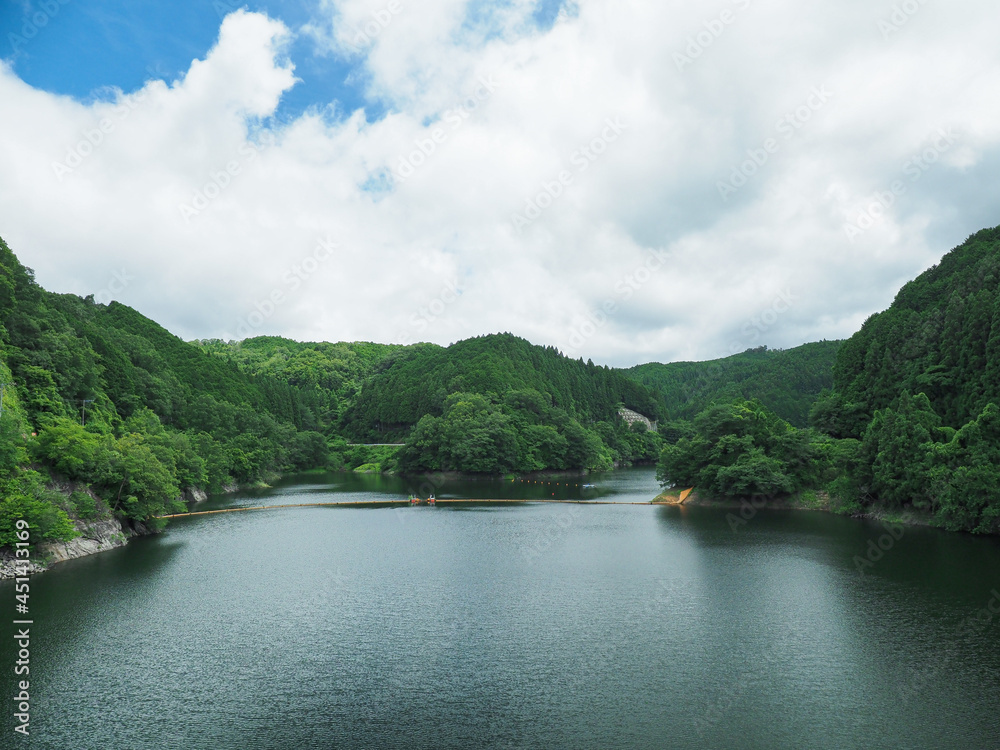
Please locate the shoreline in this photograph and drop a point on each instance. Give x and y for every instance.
(96, 535)
(105, 534)
(810, 500)
(112, 533)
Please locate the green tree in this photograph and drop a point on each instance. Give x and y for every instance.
(145, 488)
(70, 449)
(45, 521)
(965, 475)
(897, 447)
(739, 449)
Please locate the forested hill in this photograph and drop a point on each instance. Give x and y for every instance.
(327, 376)
(912, 426)
(129, 415)
(919, 385)
(785, 381)
(491, 405)
(940, 337)
(417, 381)
(161, 415)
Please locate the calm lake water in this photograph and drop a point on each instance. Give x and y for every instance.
(525, 626)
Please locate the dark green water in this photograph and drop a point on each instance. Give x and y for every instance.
(534, 626)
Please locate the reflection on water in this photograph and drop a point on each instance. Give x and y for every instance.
(525, 626)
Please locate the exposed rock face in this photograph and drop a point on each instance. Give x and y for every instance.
(96, 536)
(8, 570)
(631, 417)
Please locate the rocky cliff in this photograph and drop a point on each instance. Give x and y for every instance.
(95, 536)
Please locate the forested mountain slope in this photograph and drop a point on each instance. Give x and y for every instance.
(492, 404)
(417, 381)
(327, 376)
(940, 337)
(108, 399)
(786, 381)
(160, 415)
(919, 384)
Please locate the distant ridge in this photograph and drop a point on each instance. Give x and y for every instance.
(786, 381)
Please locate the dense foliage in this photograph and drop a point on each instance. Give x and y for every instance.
(131, 416)
(523, 432)
(493, 404)
(744, 450)
(327, 376)
(920, 384)
(912, 422)
(22, 490)
(418, 380)
(105, 397)
(786, 381)
(940, 337)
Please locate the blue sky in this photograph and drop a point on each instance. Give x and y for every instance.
(86, 46)
(89, 45)
(589, 174)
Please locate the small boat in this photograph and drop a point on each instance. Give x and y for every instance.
(432, 500)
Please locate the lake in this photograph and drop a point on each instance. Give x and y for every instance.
(515, 626)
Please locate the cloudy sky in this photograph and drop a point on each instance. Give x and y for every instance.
(628, 180)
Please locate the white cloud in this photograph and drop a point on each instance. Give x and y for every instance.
(211, 209)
